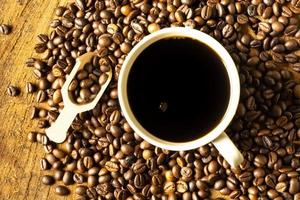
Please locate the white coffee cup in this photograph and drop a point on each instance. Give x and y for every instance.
(217, 135)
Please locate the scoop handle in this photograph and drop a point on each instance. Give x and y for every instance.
(58, 130)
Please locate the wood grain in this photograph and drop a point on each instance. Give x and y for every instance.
(20, 175)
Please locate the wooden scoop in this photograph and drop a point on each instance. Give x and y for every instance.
(58, 130)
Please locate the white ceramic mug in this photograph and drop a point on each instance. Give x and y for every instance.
(217, 135)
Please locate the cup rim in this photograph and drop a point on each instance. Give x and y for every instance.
(230, 69)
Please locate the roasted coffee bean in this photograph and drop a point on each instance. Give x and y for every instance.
(115, 117)
(62, 190)
(68, 178)
(111, 166)
(277, 26)
(44, 140)
(242, 19)
(206, 12)
(220, 9)
(270, 180)
(295, 3)
(44, 165)
(127, 149)
(59, 11)
(219, 184)
(59, 153)
(43, 123)
(246, 176)
(32, 136)
(272, 194)
(241, 47)
(41, 96)
(88, 162)
(5, 29)
(125, 47)
(259, 173)
(251, 10)
(139, 168)
(294, 185)
(157, 180)
(78, 178)
(181, 186)
(104, 41)
(169, 187)
(186, 172)
(291, 58)
(235, 194)
(58, 175)
(267, 141)
(265, 27)
(213, 166)
(260, 160)
(80, 190)
(227, 31)
(291, 45)
(92, 181)
(286, 11)
(139, 181)
(13, 91)
(93, 171)
(179, 16)
(153, 27)
(30, 88)
(48, 180)
(171, 175)
(281, 187)
(225, 191)
(92, 192)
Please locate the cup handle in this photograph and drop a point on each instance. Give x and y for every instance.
(228, 150)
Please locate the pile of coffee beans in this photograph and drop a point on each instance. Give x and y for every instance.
(107, 160)
(88, 81)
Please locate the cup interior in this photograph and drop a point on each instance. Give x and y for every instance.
(232, 74)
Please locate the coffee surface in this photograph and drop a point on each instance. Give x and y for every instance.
(178, 89)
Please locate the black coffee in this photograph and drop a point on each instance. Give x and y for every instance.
(178, 89)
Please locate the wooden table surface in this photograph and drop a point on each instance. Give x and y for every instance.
(20, 174)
